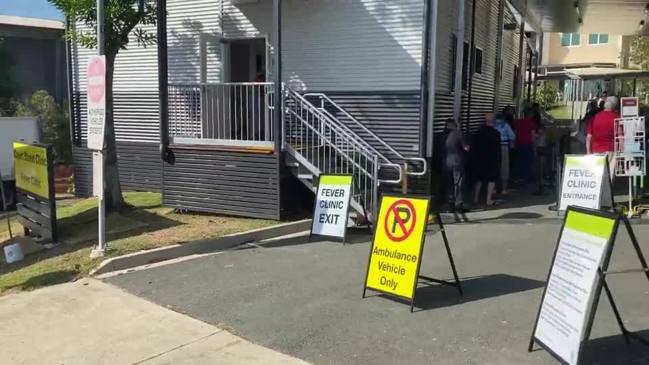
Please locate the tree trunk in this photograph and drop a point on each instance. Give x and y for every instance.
(112, 187)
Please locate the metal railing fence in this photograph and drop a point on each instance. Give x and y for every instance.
(222, 111)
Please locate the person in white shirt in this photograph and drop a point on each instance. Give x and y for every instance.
(507, 138)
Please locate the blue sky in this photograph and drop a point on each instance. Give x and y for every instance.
(30, 8)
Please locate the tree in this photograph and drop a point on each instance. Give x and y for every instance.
(639, 51)
(54, 118)
(547, 94)
(122, 20)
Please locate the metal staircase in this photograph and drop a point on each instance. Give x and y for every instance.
(412, 166)
(318, 142)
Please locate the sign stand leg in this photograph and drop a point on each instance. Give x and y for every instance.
(636, 245)
(630, 212)
(367, 221)
(448, 252)
(456, 282)
(625, 332)
(616, 311)
(610, 183)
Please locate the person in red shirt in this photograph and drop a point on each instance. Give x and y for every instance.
(600, 134)
(525, 130)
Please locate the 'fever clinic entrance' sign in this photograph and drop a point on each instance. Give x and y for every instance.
(96, 102)
(395, 256)
(332, 206)
(583, 181)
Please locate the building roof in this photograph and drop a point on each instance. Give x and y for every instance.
(19, 21)
(587, 73)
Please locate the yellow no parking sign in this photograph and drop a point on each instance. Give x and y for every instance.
(395, 256)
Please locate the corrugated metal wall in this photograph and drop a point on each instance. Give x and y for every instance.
(190, 24)
(136, 72)
(483, 93)
(365, 53)
(136, 117)
(232, 183)
(392, 116)
(140, 168)
(347, 45)
(510, 59)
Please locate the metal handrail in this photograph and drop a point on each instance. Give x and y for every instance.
(355, 136)
(340, 128)
(217, 112)
(333, 145)
(321, 144)
(378, 139)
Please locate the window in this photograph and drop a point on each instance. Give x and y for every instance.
(570, 39)
(598, 38)
(477, 67)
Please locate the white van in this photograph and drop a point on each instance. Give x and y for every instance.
(14, 129)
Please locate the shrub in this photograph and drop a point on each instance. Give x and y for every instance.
(54, 123)
(547, 94)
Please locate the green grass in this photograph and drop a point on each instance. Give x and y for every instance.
(148, 225)
(560, 112)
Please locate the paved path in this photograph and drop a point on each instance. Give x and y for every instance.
(304, 299)
(90, 322)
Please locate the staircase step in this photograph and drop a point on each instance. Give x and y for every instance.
(305, 176)
(292, 164)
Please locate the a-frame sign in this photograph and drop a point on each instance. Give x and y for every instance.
(575, 282)
(395, 256)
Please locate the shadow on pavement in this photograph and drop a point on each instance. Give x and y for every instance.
(354, 236)
(612, 350)
(431, 296)
(512, 215)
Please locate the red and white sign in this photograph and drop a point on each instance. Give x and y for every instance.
(96, 102)
(629, 107)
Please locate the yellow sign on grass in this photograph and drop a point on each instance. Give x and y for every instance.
(31, 169)
(396, 250)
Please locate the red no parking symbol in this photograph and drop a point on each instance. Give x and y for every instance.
(400, 220)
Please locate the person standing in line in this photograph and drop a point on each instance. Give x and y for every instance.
(591, 110)
(525, 129)
(600, 134)
(509, 115)
(540, 144)
(454, 161)
(507, 138)
(486, 159)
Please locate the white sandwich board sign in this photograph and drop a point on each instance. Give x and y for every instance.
(332, 206)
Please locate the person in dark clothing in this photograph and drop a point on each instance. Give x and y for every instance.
(509, 115)
(591, 110)
(485, 153)
(454, 151)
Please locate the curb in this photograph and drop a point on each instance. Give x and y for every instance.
(198, 247)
